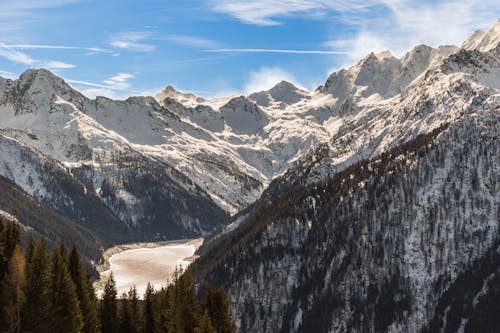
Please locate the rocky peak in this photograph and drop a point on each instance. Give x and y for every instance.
(484, 41)
(37, 89)
(42, 81)
(185, 98)
(243, 115)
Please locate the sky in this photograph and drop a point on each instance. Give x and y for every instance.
(219, 47)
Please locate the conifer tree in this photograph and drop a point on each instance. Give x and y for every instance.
(125, 315)
(183, 305)
(205, 324)
(149, 311)
(135, 310)
(109, 309)
(13, 292)
(163, 302)
(30, 249)
(36, 310)
(85, 292)
(216, 304)
(9, 238)
(65, 308)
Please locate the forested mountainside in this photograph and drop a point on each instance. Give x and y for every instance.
(392, 225)
(373, 248)
(39, 220)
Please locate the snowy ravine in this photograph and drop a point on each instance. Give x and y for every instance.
(392, 225)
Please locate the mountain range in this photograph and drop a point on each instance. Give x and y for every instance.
(370, 204)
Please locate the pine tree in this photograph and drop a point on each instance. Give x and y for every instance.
(216, 304)
(36, 310)
(125, 315)
(10, 237)
(149, 311)
(13, 292)
(135, 310)
(183, 304)
(30, 249)
(109, 309)
(205, 324)
(65, 308)
(85, 292)
(9, 240)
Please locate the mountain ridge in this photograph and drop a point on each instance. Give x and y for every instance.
(223, 153)
(374, 229)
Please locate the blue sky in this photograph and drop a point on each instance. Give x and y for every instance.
(219, 47)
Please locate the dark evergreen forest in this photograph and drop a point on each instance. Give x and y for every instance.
(50, 291)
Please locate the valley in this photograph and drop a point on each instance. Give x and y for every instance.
(142, 263)
(369, 204)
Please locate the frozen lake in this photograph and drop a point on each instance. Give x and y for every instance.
(140, 263)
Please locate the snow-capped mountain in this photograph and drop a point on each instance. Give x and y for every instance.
(392, 223)
(361, 204)
(56, 146)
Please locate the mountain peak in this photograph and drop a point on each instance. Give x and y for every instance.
(44, 80)
(484, 41)
(183, 98)
(284, 85)
(384, 54)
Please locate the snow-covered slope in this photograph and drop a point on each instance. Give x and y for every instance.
(52, 136)
(226, 151)
(377, 228)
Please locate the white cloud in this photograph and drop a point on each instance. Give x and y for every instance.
(120, 77)
(267, 77)
(192, 41)
(16, 15)
(119, 81)
(109, 93)
(407, 24)
(132, 41)
(362, 44)
(277, 51)
(54, 64)
(115, 89)
(7, 75)
(56, 47)
(15, 56)
(268, 12)
(376, 25)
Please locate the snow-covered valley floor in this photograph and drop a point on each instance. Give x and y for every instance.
(140, 263)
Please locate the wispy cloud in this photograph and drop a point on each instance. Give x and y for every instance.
(13, 12)
(119, 81)
(56, 47)
(22, 5)
(265, 78)
(54, 64)
(132, 41)
(277, 51)
(15, 56)
(192, 41)
(407, 24)
(269, 12)
(9, 52)
(398, 25)
(116, 87)
(7, 75)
